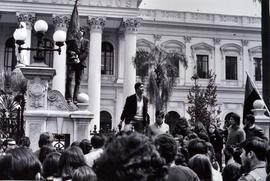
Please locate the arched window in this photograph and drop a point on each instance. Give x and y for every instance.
(105, 122)
(171, 118)
(107, 59)
(48, 43)
(9, 57)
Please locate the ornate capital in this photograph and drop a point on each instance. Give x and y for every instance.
(28, 18)
(131, 24)
(244, 42)
(60, 21)
(157, 37)
(216, 41)
(96, 23)
(187, 39)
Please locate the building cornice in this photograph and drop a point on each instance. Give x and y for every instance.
(175, 17)
(52, 8)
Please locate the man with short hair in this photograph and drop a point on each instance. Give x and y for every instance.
(135, 110)
(159, 127)
(167, 148)
(251, 129)
(97, 142)
(253, 159)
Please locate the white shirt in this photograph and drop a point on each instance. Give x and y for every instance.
(139, 113)
(92, 156)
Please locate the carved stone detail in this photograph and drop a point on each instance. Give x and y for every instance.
(216, 41)
(187, 39)
(157, 37)
(28, 18)
(244, 42)
(61, 21)
(37, 90)
(56, 101)
(96, 23)
(131, 24)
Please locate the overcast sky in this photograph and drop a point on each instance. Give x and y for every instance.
(233, 7)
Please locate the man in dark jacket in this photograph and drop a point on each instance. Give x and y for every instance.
(251, 129)
(135, 110)
(76, 64)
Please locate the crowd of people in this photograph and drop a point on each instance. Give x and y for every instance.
(143, 152)
(186, 154)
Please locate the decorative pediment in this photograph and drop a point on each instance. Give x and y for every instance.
(231, 47)
(144, 44)
(57, 102)
(174, 45)
(202, 46)
(255, 52)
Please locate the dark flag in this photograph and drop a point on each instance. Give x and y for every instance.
(251, 94)
(73, 31)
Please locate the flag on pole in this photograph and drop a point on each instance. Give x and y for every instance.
(251, 94)
(73, 31)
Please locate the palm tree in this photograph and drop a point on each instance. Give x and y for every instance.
(162, 73)
(265, 36)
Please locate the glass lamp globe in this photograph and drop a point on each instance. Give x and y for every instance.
(41, 26)
(20, 34)
(59, 36)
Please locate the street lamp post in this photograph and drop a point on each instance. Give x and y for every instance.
(41, 28)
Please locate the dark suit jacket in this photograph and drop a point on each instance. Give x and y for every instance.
(130, 109)
(84, 51)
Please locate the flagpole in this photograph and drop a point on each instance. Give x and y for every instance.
(256, 89)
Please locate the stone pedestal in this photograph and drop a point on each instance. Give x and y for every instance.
(49, 111)
(260, 119)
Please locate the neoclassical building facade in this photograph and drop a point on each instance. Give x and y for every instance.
(227, 45)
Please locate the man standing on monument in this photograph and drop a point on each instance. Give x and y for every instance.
(135, 110)
(76, 64)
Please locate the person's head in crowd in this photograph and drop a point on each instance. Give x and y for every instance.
(24, 142)
(51, 165)
(211, 129)
(45, 139)
(84, 173)
(232, 172)
(187, 139)
(199, 128)
(249, 120)
(234, 120)
(166, 146)
(9, 143)
(201, 165)
(71, 159)
(227, 124)
(44, 151)
(85, 145)
(228, 153)
(75, 143)
(130, 157)
(97, 141)
(197, 146)
(24, 164)
(139, 88)
(159, 117)
(181, 157)
(253, 151)
(181, 127)
(204, 136)
(5, 167)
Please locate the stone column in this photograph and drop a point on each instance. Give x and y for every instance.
(94, 72)
(59, 61)
(130, 26)
(191, 62)
(27, 19)
(245, 62)
(217, 59)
